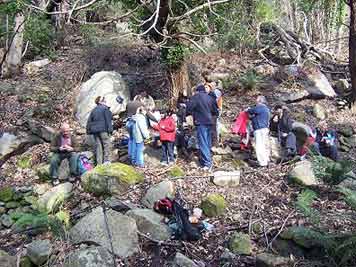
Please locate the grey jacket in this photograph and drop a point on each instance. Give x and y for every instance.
(141, 130)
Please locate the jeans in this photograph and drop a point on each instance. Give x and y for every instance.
(167, 151)
(204, 141)
(131, 148)
(290, 143)
(136, 155)
(102, 148)
(56, 162)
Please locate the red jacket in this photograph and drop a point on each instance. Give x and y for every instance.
(167, 129)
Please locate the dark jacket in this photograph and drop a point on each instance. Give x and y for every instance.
(326, 138)
(57, 140)
(100, 120)
(260, 116)
(202, 107)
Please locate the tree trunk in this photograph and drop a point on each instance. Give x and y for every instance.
(12, 63)
(352, 48)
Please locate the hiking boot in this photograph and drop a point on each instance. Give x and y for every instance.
(163, 163)
(207, 169)
(72, 179)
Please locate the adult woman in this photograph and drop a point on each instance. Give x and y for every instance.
(100, 126)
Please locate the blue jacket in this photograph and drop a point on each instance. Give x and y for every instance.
(202, 107)
(260, 116)
(100, 120)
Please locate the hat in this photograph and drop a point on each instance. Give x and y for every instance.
(200, 88)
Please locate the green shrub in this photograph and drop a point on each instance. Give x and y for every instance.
(250, 80)
(349, 197)
(40, 34)
(174, 55)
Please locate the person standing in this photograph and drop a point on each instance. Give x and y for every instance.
(63, 146)
(100, 126)
(167, 135)
(260, 117)
(203, 108)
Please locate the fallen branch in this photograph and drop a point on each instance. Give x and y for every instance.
(280, 230)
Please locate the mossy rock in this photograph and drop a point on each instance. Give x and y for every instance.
(213, 205)
(110, 178)
(176, 171)
(25, 262)
(42, 172)
(12, 205)
(240, 244)
(24, 162)
(307, 238)
(6, 194)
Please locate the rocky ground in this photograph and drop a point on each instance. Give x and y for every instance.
(254, 215)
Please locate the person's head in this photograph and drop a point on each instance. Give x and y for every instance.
(65, 129)
(200, 88)
(261, 100)
(141, 110)
(209, 87)
(323, 125)
(100, 100)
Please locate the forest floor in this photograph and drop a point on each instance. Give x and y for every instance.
(264, 196)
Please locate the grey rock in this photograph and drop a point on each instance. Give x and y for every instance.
(2, 210)
(348, 183)
(150, 223)
(50, 200)
(106, 83)
(89, 257)
(225, 178)
(2, 204)
(92, 228)
(25, 188)
(303, 173)
(45, 132)
(6, 260)
(39, 251)
(276, 148)
(222, 151)
(6, 220)
(12, 205)
(182, 261)
(345, 130)
(9, 142)
(342, 86)
(319, 112)
(271, 260)
(157, 192)
(294, 96)
(240, 243)
(40, 189)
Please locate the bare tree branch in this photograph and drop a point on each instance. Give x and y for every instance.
(63, 12)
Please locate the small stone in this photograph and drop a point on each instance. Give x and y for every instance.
(224, 178)
(89, 257)
(240, 244)
(39, 251)
(213, 205)
(270, 260)
(6, 220)
(6, 194)
(319, 112)
(40, 189)
(222, 151)
(6, 260)
(25, 189)
(175, 171)
(182, 261)
(12, 205)
(303, 173)
(2, 210)
(2, 204)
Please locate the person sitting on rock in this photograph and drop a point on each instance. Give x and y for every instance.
(101, 127)
(284, 124)
(260, 117)
(167, 136)
(146, 99)
(63, 146)
(326, 141)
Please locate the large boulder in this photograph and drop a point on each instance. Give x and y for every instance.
(303, 173)
(276, 148)
(50, 200)
(94, 228)
(6, 260)
(39, 251)
(105, 83)
(213, 205)
(110, 178)
(10, 142)
(313, 80)
(45, 132)
(150, 222)
(182, 261)
(157, 192)
(89, 257)
(271, 260)
(240, 243)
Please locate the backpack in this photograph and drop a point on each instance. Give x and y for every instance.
(185, 230)
(83, 164)
(130, 126)
(164, 206)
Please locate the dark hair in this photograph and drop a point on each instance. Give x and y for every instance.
(98, 99)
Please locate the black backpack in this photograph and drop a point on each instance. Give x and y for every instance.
(186, 231)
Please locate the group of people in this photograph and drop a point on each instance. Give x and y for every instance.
(320, 141)
(205, 107)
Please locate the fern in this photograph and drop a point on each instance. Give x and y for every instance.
(346, 252)
(304, 202)
(349, 196)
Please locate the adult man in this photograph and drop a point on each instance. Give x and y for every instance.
(260, 117)
(63, 147)
(203, 108)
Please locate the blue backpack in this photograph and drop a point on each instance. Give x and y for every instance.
(83, 164)
(130, 126)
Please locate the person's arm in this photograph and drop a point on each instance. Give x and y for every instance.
(171, 127)
(54, 145)
(214, 108)
(108, 120)
(89, 122)
(190, 107)
(143, 127)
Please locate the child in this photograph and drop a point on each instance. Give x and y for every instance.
(138, 131)
(167, 134)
